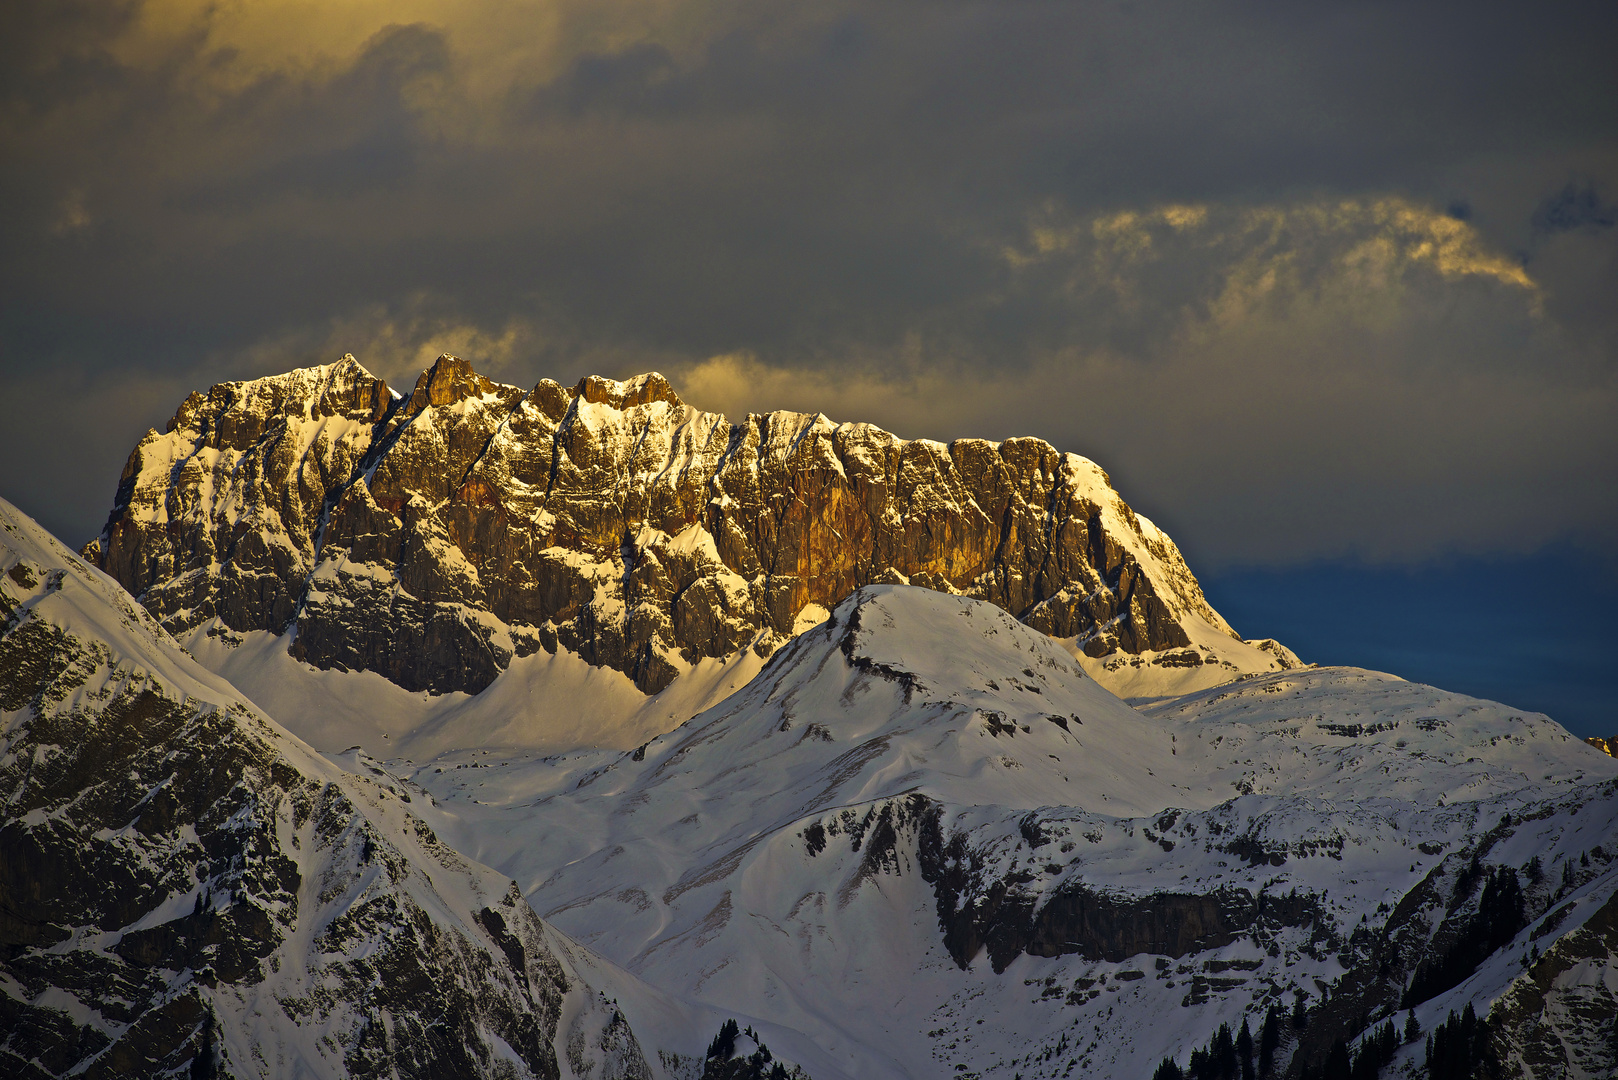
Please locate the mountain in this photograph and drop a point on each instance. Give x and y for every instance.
(924, 837)
(187, 889)
(434, 538)
(916, 759)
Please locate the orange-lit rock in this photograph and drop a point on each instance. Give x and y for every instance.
(433, 537)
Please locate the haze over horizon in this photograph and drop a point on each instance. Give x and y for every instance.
(1328, 291)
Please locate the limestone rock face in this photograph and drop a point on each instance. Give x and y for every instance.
(219, 515)
(433, 537)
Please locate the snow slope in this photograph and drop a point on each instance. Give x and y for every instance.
(926, 840)
(542, 704)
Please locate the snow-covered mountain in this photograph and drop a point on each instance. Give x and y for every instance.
(924, 838)
(919, 760)
(187, 889)
(435, 538)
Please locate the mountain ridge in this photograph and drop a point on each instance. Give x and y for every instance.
(479, 522)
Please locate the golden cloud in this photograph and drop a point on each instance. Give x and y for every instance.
(499, 45)
(1357, 249)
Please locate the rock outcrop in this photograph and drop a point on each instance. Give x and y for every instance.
(434, 536)
(185, 889)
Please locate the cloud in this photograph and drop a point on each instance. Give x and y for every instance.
(398, 343)
(1368, 247)
(72, 217)
(1273, 463)
(67, 435)
(1575, 207)
(1281, 383)
(1205, 244)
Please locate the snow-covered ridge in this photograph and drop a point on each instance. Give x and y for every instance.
(923, 836)
(435, 538)
(185, 881)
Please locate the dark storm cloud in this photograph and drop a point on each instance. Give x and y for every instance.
(55, 53)
(356, 137)
(1575, 207)
(910, 213)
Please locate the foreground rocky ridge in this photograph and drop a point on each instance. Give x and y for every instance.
(434, 537)
(185, 889)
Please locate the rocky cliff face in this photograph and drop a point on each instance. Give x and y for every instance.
(433, 537)
(184, 888)
(1553, 1013)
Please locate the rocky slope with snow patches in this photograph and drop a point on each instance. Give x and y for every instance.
(926, 840)
(436, 537)
(187, 889)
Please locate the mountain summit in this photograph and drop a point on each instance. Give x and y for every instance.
(434, 537)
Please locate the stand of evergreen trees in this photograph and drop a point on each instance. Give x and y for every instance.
(1363, 1064)
(724, 1043)
(720, 1063)
(1500, 916)
(1230, 1057)
(1458, 1049)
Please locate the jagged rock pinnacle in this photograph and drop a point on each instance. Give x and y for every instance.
(448, 381)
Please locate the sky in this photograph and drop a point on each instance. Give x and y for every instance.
(1328, 289)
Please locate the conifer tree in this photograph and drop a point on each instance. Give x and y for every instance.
(1224, 1054)
(1459, 1049)
(1168, 1071)
(1269, 1040)
(1336, 1066)
(1244, 1050)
